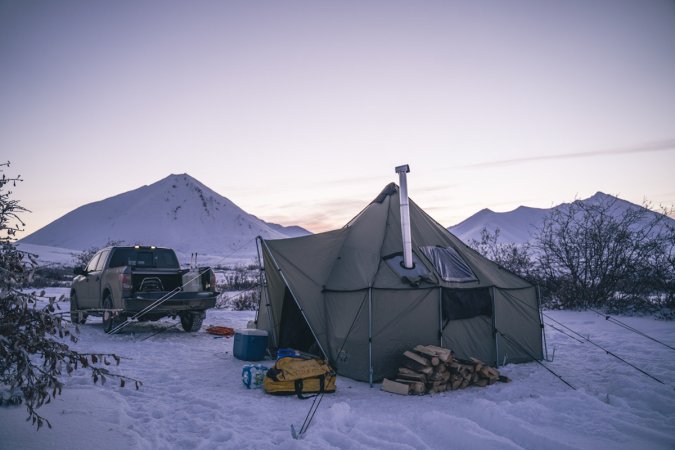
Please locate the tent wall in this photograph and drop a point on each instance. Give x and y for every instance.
(348, 350)
(301, 264)
(401, 320)
(471, 338)
(517, 317)
(271, 301)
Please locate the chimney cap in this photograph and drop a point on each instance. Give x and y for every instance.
(403, 169)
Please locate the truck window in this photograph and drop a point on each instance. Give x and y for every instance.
(160, 258)
(92, 263)
(101, 260)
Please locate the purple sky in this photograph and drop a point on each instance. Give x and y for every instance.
(299, 111)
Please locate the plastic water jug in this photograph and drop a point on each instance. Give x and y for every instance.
(252, 375)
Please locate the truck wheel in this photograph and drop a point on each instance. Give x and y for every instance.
(74, 307)
(109, 320)
(192, 321)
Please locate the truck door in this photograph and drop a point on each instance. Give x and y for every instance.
(93, 283)
(87, 290)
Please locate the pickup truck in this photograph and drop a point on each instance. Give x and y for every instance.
(142, 283)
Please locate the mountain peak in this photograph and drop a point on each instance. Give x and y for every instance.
(601, 196)
(177, 211)
(519, 225)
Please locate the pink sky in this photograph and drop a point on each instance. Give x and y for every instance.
(299, 111)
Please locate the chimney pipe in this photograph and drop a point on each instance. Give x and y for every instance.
(405, 215)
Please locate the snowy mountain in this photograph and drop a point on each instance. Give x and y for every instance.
(177, 212)
(520, 225)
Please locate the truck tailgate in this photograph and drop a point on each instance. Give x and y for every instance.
(179, 301)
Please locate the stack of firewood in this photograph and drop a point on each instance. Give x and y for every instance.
(430, 369)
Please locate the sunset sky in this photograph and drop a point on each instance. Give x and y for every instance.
(298, 111)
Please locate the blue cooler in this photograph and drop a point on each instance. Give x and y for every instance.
(250, 344)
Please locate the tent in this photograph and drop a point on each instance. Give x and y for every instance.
(346, 294)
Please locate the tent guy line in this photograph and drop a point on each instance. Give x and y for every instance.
(629, 328)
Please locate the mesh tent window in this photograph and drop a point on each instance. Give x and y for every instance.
(449, 264)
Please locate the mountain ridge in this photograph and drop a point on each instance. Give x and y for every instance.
(177, 211)
(519, 225)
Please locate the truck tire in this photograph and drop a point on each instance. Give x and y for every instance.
(192, 320)
(74, 307)
(109, 320)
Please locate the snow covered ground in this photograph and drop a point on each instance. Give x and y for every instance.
(48, 256)
(193, 398)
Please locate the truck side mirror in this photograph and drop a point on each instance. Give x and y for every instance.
(79, 271)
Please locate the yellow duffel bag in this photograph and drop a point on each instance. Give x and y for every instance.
(298, 376)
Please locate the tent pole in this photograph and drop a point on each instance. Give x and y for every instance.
(295, 299)
(263, 285)
(440, 315)
(494, 327)
(370, 336)
(541, 323)
(260, 278)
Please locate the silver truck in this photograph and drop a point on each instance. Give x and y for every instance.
(142, 283)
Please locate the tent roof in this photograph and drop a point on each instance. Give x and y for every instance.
(355, 257)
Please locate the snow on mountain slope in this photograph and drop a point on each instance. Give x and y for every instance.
(515, 226)
(177, 211)
(521, 224)
(50, 255)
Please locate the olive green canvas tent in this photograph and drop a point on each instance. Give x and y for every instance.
(346, 294)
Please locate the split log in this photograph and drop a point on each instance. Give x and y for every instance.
(429, 354)
(415, 387)
(490, 373)
(417, 363)
(407, 371)
(477, 363)
(394, 387)
(444, 354)
(411, 375)
(440, 376)
(466, 370)
(417, 358)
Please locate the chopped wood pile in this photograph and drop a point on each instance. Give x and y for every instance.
(430, 369)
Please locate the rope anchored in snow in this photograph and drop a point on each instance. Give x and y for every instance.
(629, 328)
(589, 341)
(535, 359)
(605, 350)
(564, 332)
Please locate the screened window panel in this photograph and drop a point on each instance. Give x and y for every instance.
(449, 264)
